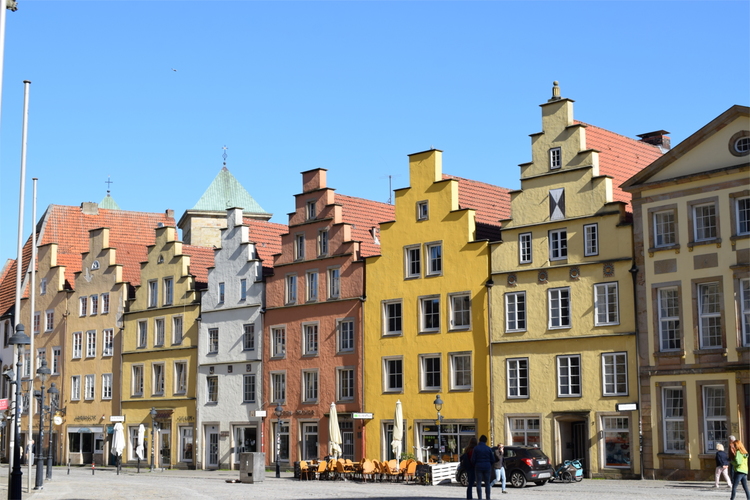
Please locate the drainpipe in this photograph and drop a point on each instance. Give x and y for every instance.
(634, 274)
(489, 286)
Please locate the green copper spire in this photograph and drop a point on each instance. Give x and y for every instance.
(226, 192)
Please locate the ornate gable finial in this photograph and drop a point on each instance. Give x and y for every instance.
(224, 155)
(555, 91)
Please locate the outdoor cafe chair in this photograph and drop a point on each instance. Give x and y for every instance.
(304, 470)
(368, 469)
(411, 470)
(322, 469)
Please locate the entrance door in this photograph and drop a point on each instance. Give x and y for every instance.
(578, 431)
(212, 447)
(165, 449)
(309, 441)
(245, 441)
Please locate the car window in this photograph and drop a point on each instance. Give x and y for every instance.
(509, 453)
(536, 453)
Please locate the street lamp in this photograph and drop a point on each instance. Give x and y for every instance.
(54, 393)
(439, 406)
(43, 372)
(278, 411)
(153, 426)
(15, 490)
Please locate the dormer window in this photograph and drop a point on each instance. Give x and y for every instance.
(311, 213)
(555, 158)
(95, 265)
(422, 210)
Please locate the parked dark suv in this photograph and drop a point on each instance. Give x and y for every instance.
(522, 464)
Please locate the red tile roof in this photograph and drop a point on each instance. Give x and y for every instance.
(363, 215)
(7, 286)
(201, 258)
(620, 157)
(491, 203)
(267, 238)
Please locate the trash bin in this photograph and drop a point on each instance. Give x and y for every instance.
(252, 467)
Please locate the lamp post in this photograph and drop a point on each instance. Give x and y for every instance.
(53, 394)
(153, 426)
(43, 372)
(15, 490)
(278, 411)
(439, 406)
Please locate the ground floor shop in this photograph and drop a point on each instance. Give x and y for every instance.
(307, 439)
(225, 441)
(162, 435)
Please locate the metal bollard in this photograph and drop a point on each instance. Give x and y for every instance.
(69, 466)
(93, 468)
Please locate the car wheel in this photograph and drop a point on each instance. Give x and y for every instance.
(541, 483)
(517, 479)
(463, 478)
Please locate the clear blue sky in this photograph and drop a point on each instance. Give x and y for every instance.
(353, 87)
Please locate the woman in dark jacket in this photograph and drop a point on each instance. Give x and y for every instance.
(722, 465)
(468, 466)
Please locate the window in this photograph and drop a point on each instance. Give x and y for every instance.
(212, 389)
(278, 387)
(281, 430)
(299, 247)
(168, 291)
(605, 303)
(715, 417)
(152, 293)
(137, 380)
(345, 384)
(669, 319)
(460, 311)
(176, 330)
(213, 340)
(558, 244)
(83, 306)
(89, 387)
(569, 376)
(423, 212)
(709, 313)
(248, 337)
(525, 431)
(37, 320)
(616, 432)
(555, 158)
(674, 420)
(393, 375)
(460, 371)
(704, 222)
(524, 248)
(312, 286)
(515, 312)
(41, 354)
(108, 348)
(75, 388)
(309, 441)
(180, 377)
(248, 388)
(334, 283)
(186, 443)
(159, 332)
(430, 371)
(26, 364)
(107, 386)
(743, 216)
(158, 378)
(142, 333)
(518, 378)
(310, 339)
(220, 291)
(413, 262)
(56, 353)
(664, 228)
(435, 256)
(43, 286)
(243, 289)
(105, 303)
(430, 314)
(591, 239)
(310, 386)
(77, 344)
(346, 335)
(559, 307)
(311, 211)
(94, 304)
(291, 289)
(392, 317)
(615, 373)
(745, 305)
(50, 320)
(278, 342)
(322, 242)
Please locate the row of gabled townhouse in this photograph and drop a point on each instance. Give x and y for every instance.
(532, 315)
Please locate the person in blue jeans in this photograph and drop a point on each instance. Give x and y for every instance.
(482, 459)
(468, 467)
(499, 466)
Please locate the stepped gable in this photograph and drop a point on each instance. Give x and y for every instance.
(491, 203)
(201, 258)
(363, 215)
(620, 157)
(224, 192)
(267, 238)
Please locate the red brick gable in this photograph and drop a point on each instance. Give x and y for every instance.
(364, 215)
(491, 203)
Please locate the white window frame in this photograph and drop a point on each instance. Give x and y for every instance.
(213, 341)
(180, 378)
(248, 337)
(525, 248)
(106, 386)
(49, 320)
(108, 342)
(178, 333)
(212, 389)
(83, 306)
(89, 387)
(136, 380)
(278, 342)
(142, 333)
(278, 386)
(310, 386)
(413, 261)
(665, 228)
(77, 345)
(710, 320)
(299, 246)
(312, 286)
(94, 299)
(159, 332)
(243, 289)
(525, 426)
(745, 310)
(558, 244)
(569, 383)
(221, 292)
(56, 355)
(334, 283)
(153, 292)
(606, 304)
(388, 317)
(323, 242)
(75, 388)
(168, 291)
(427, 314)
(43, 286)
(705, 225)
(615, 373)
(456, 302)
(311, 210)
(393, 369)
(673, 420)
(591, 240)
(345, 334)
(517, 374)
(37, 321)
(158, 379)
(423, 210)
(715, 419)
(556, 298)
(249, 389)
(290, 294)
(105, 303)
(515, 311)
(555, 158)
(434, 255)
(425, 371)
(345, 386)
(310, 339)
(742, 215)
(670, 329)
(459, 372)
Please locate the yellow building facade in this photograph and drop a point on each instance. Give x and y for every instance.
(692, 242)
(425, 319)
(562, 324)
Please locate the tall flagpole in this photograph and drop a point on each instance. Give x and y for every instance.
(32, 294)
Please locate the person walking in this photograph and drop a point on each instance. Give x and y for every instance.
(722, 465)
(468, 467)
(482, 458)
(732, 451)
(740, 469)
(499, 466)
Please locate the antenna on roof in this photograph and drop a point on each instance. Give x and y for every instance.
(390, 189)
(108, 182)
(224, 155)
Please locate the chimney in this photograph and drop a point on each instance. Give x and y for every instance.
(658, 138)
(89, 208)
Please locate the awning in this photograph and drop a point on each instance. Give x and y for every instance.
(163, 414)
(85, 430)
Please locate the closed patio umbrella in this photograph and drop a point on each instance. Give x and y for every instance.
(334, 433)
(118, 443)
(398, 431)
(139, 448)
